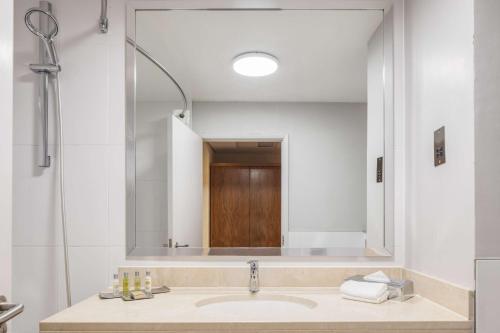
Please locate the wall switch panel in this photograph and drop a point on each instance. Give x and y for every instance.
(439, 147)
(380, 169)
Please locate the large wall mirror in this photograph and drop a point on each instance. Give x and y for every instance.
(259, 132)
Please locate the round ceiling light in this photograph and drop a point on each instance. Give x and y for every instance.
(255, 64)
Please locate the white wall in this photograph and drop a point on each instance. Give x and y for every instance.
(439, 71)
(6, 111)
(487, 163)
(327, 155)
(301, 240)
(487, 127)
(152, 123)
(375, 139)
(93, 100)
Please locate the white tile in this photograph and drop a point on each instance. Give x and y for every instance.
(151, 141)
(78, 21)
(86, 195)
(35, 284)
(116, 16)
(116, 71)
(151, 205)
(61, 300)
(116, 195)
(88, 271)
(151, 238)
(116, 91)
(36, 209)
(84, 92)
(151, 159)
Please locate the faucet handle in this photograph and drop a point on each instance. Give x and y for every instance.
(253, 263)
(253, 283)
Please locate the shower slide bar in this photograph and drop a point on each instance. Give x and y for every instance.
(103, 19)
(43, 92)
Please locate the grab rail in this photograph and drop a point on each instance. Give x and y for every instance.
(8, 311)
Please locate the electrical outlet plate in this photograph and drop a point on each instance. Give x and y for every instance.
(439, 147)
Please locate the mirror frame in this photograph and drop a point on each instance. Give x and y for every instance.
(159, 253)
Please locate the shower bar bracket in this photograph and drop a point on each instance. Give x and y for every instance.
(43, 68)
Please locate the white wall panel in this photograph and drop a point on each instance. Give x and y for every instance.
(487, 127)
(186, 194)
(36, 280)
(375, 139)
(487, 296)
(487, 163)
(440, 78)
(6, 114)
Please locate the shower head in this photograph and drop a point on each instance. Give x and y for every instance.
(46, 37)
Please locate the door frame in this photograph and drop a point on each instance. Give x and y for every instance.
(269, 137)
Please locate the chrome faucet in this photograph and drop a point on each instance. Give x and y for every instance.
(253, 283)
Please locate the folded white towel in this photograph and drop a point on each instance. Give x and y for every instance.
(379, 300)
(368, 291)
(377, 277)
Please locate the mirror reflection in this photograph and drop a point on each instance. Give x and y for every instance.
(280, 141)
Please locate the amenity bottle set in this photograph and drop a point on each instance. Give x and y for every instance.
(137, 292)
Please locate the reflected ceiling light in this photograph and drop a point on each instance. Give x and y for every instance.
(255, 64)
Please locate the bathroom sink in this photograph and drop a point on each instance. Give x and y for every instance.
(256, 302)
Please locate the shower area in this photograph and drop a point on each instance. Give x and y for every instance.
(46, 29)
(69, 142)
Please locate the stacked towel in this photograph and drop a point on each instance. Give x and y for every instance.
(370, 292)
(378, 276)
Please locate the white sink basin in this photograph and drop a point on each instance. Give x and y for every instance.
(255, 302)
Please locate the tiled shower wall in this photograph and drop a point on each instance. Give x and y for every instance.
(92, 87)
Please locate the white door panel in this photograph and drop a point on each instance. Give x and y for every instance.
(186, 176)
(487, 296)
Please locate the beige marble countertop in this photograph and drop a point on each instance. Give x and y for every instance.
(177, 311)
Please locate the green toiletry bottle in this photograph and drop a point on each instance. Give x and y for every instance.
(137, 282)
(125, 288)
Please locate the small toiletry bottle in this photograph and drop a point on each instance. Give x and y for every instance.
(116, 286)
(137, 282)
(148, 283)
(125, 290)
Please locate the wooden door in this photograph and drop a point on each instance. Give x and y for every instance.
(265, 207)
(229, 206)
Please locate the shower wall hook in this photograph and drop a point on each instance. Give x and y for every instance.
(103, 20)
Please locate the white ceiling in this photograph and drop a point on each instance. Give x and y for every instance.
(322, 54)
